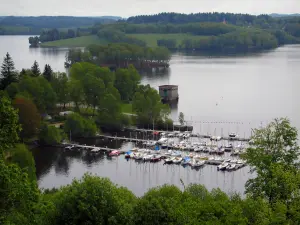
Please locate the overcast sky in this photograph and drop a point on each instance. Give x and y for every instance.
(127, 8)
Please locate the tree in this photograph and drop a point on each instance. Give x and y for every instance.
(35, 69)
(50, 135)
(147, 105)
(39, 90)
(29, 117)
(94, 89)
(8, 73)
(9, 125)
(92, 200)
(34, 41)
(181, 118)
(78, 126)
(25, 72)
(126, 82)
(76, 93)
(60, 87)
(48, 73)
(21, 156)
(158, 206)
(18, 193)
(273, 155)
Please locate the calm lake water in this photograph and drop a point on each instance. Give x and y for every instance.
(217, 95)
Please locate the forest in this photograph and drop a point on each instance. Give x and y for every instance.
(120, 55)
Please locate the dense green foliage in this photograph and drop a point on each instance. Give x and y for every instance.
(48, 73)
(120, 55)
(274, 149)
(50, 135)
(29, 117)
(8, 74)
(9, 125)
(231, 18)
(204, 28)
(110, 204)
(148, 107)
(224, 31)
(21, 156)
(34, 41)
(78, 126)
(18, 193)
(38, 89)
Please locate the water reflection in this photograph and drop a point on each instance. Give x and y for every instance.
(138, 176)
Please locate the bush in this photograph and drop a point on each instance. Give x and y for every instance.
(50, 135)
(79, 126)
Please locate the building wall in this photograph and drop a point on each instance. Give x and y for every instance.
(172, 93)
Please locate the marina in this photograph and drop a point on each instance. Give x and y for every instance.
(179, 148)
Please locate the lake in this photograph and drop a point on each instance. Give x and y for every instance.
(217, 94)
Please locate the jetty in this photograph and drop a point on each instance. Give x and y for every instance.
(191, 134)
(72, 146)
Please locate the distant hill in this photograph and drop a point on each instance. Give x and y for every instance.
(110, 17)
(284, 15)
(34, 25)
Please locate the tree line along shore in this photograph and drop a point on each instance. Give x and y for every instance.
(215, 33)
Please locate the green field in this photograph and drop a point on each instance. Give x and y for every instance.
(15, 29)
(151, 39)
(83, 41)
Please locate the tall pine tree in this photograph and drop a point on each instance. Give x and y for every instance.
(35, 69)
(8, 73)
(48, 73)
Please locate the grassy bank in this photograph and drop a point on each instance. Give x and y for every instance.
(75, 42)
(150, 39)
(14, 30)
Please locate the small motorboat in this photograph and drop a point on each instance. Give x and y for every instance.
(233, 135)
(70, 147)
(114, 153)
(176, 153)
(138, 156)
(221, 151)
(169, 160)
(155, 158)
(223, 166)
(147, 157)
(186, 161)
(197, 163)
(230, 167)
(235, 152)
(215, 138)
(95, 150)
(177, 160)
(128, 155)
(213, 150)
(206, 149)
(164, 146)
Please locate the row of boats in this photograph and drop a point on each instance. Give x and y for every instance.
(206, 147)
(188, 134)
(177, 157)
